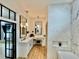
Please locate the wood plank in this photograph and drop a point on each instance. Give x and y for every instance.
(38, 52)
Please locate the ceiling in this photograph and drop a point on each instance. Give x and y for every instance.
(35, 7)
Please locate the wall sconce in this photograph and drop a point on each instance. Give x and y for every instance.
(21, 25)
(26, 24)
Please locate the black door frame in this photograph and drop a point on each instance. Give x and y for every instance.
(13, 40)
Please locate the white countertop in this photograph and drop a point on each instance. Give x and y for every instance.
(40, 37)
(26, 40)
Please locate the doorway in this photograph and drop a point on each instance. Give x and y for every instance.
(8, 35)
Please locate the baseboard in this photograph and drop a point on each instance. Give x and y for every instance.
(21, 58)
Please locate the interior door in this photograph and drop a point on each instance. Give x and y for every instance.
(9, 30)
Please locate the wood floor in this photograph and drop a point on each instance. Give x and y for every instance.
(38, 52)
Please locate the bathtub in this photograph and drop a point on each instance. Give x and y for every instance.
(67, 55)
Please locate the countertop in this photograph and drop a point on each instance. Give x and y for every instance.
(26, 40)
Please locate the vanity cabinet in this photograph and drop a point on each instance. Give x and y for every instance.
(25, 47)
(44, 42)
(29, 47)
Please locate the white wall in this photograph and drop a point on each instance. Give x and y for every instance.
(13, 5)
(75, 19)
(59, 26)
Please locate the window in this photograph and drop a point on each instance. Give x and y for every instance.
(12, 15)
(5, 12)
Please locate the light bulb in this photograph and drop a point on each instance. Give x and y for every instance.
(38, 26)
(21, 25)
(26, 24)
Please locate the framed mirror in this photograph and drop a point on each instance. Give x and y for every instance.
(38, 28)
(23, 27)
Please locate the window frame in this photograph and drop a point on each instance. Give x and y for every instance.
(9, 14)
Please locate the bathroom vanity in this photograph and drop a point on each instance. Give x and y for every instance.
(25, 47)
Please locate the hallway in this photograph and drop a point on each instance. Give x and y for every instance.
(38, 52)
(28, 31)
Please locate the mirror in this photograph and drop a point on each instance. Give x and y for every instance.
(38, 28)
(23, 27)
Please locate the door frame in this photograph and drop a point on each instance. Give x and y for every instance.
(14, 24)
